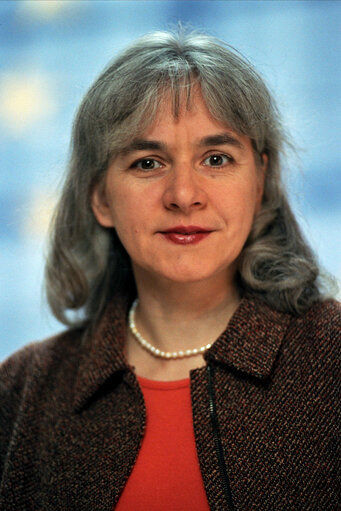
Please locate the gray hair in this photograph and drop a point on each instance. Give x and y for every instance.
(87, 263)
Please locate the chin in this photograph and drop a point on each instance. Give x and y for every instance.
(189, 274)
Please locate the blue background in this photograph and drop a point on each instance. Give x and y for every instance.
(51, 51)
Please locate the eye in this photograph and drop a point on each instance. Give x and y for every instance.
(217, 160)
(147, 164)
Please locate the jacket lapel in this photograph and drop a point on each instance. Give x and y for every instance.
(252, 339)
(102, 355)
(95, 442)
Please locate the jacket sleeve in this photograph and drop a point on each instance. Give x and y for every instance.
(13, 374)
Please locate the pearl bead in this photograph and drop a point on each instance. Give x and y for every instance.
(155, 351)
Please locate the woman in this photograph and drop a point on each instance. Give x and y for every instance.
(199, 372)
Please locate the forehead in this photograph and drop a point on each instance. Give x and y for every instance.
(193, 123)
(188, 104)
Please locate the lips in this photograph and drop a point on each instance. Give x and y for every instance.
(185, 234)
(189, 229)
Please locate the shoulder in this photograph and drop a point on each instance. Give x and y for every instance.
(312, 344)
(321, 322)
(38, 358)
(326, 310)
(27, 377)
(28, 380)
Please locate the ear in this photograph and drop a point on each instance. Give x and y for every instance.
(100, 205)
(262, 168)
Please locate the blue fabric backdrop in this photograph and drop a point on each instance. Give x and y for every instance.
(50, 52)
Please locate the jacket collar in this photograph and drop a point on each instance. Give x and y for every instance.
(249, 344)
(252, 339)
(102, 355)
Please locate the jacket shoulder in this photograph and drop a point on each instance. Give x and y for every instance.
(29, 370)
(315, 336)
(39, 356)
(322, 321)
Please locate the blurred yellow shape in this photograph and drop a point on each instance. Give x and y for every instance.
(38, 213)
(25, 100)
(44, 10)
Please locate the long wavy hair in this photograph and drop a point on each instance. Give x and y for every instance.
(87, 263)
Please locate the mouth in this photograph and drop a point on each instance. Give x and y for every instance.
(185, 235)
(187, 230)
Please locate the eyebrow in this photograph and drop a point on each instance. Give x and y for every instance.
(221, 139)
(154, 145)
(140, 144)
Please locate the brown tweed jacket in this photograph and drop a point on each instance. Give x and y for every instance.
(72, 415)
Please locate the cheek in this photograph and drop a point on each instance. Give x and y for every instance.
(121, 203)
(238, 202)
(129, 218)
(134, 204)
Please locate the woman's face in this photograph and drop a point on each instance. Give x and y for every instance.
(182, 196)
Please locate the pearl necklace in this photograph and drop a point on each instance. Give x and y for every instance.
(155, 351)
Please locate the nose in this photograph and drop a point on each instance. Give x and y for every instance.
(183, 191)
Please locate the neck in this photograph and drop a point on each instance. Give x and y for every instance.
(175, 316)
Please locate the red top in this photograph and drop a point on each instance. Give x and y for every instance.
(166, 474)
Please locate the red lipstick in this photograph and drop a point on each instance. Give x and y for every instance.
(185, 234)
